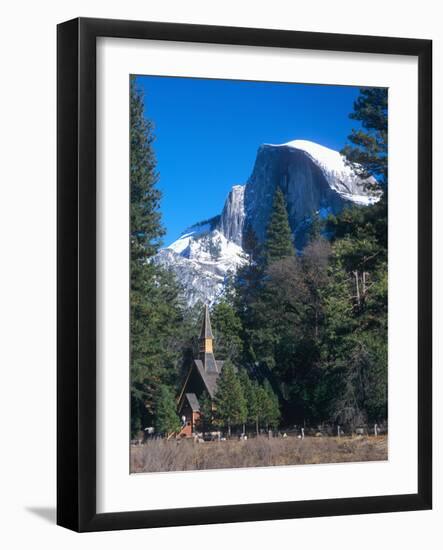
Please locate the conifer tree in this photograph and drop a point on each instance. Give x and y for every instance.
(227, 330)
(369, 149)
(316, 227)
(271, 413)
(206, 412)
(257, 401)
(250, 397)
(167, 420)
(278, 244)
(155, 309)
(259, 300)
(354, 362)
(146, 226)
(354, 357)
(251, 245)
(247, 286)
(267, 406)
(262, 406)
(230, 403)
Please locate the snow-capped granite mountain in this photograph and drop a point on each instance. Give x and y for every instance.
(202, 258)
(313, 178)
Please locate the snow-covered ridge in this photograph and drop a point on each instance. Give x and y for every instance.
(326, 158)
(202, 263)
(211, 248)
(193, 232)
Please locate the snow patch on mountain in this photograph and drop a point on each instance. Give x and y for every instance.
(327, 158)
(188, 236)
(202, 262)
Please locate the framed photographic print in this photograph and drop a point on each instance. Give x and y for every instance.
(244, 274)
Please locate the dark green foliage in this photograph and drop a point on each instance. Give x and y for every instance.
(356, 329)
(206, 413)
(262, 404)
(227, 328)
(278, 243)
(251, 245)
(166, 419)
(315, 263)
(261, 300)
(187, 339)
(265, 306)
(369, 146)
(146, 227)
(230, 403)
(270, 406)
(354, 357)
(156, 311)
(250, 395)
(316, 227)
(156, 322)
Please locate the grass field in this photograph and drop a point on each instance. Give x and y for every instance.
(181, 455)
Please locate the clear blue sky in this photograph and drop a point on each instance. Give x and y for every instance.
(208, 132)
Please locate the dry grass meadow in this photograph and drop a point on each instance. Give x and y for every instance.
(181, 455)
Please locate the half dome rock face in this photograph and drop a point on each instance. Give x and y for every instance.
(314, 180)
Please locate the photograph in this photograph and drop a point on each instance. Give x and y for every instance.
(258, 273)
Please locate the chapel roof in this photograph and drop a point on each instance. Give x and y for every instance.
(193, 401)
(209, 377)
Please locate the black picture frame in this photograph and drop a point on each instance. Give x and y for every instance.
(76, 265)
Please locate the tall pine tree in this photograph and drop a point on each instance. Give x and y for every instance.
(230, 402)
(155, 312)
(250, 396)
(278, 243)
(146, 227)
(354, 353)
(167, 420)
(206, 413)
(369, 149)
(258, 299)
(227, 330)
(272, 408)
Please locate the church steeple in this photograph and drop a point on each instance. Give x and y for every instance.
(206, 336)
(206, 351)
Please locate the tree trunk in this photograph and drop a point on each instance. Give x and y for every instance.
(357, 288)
(364, 284)
(256, 425)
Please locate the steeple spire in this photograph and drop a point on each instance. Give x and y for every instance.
(206, 343)
(206, 331)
